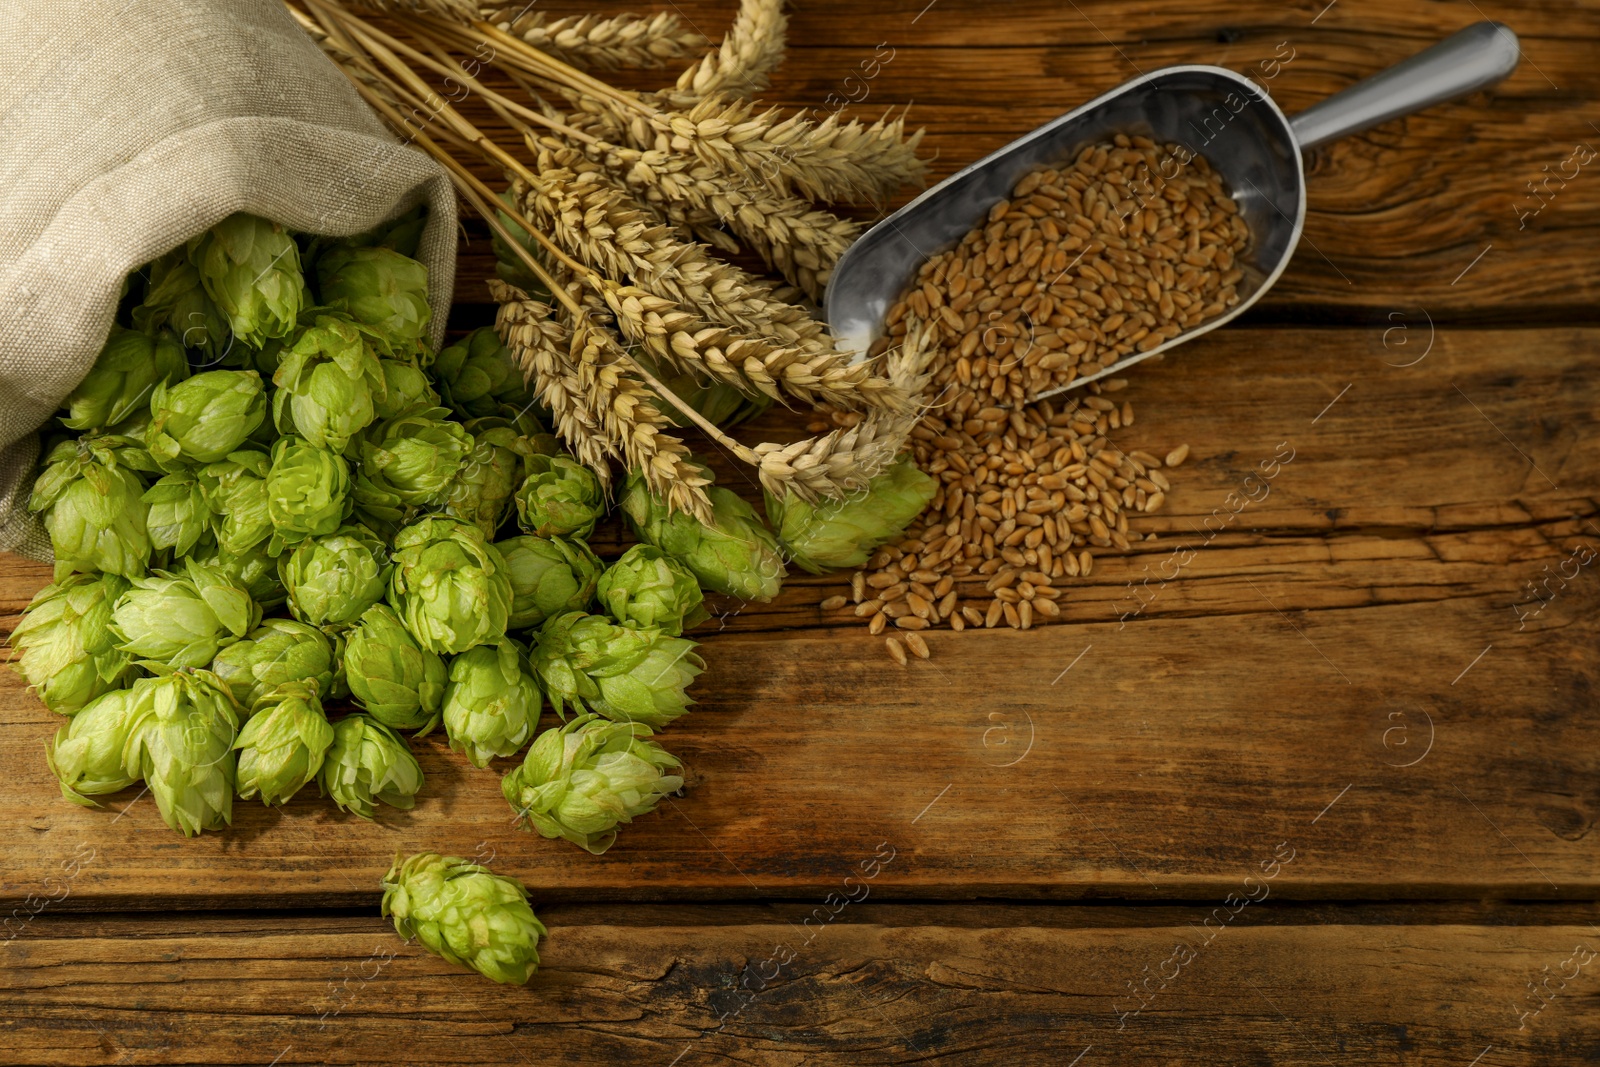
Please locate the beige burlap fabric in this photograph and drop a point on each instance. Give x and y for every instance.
(128, 127)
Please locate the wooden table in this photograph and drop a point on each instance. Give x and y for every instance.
(1326, 797)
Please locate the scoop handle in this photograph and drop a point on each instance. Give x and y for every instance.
(1477, 56)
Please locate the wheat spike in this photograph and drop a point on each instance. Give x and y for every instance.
(590, 42)
(455, 10)
(749, 53)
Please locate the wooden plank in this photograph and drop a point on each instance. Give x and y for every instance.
(1270, 693)
(874, 985)
(1397, 216)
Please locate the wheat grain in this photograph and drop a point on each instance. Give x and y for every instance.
(591, 42)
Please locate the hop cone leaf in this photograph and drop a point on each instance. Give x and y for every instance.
(251, 270)
(86, 756)
(330, 383)
(235, 490)
(274, 653)
(68, 654)
(282, 746)
(834, 534)
(177, 300)
(649, 589)
(368, 762)
(91, 500)
(478, 376)
(333, 580)
(549, 576)
(560, 498)
(181, 743)
(466, 914)
(735, 555)
(254, 570)
(182, 620)
(308, 491)
(379, 288)
(123, 376)
(391, 676)
(582, 780)
(491, 705)
(203, 418)
(449, 585)
(178, 517)
(623, 673)
(409, 463)
(483, 487)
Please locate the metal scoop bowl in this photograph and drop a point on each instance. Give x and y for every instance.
(1209, 111)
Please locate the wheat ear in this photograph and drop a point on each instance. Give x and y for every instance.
(750, 52)
(590, 42)
(455, 10)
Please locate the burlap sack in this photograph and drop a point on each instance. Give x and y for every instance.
(129, 126)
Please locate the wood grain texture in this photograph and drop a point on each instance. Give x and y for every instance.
(1295, 662)
(874, 986)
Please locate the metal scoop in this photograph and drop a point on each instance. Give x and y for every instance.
(1213, 112)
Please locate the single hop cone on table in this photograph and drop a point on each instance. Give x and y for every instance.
(736, 554)
(203, 418)
(484, 486)
(649, 589)
(235, 489)
(560, 498)
(409, 463)
(251, 270)
(626, 674)
(86, 756)
(449, 586)
(308, 492)
(581, 780)
(178, 517)
(330, 383)
(549, 576)
(333, 580)
(478, 376)
(68, 654)
(491, 705)
(369, 762)
(91, 500)
(834, 535)
(181, 743)
(393, 678)
(466, 914)
(276, 652)
(182, 620)
(379, 288)
(282, 746)
(125, 373)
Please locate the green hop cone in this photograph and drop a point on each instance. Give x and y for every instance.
(491, 704)
(181, 743)
(560, 498)
(283, 745)
(274, 653)
(409, 463)
(86, 756)
(391, 676)
(649, 589)
(368, 762)
(478, 375)
(466, 914)
(182, 620)
(834, 534)
(330, 383)
(449, 585)
(379, 288)
(623, 673)
(203, 418)
(737, 554)
(123, 376)
(332, 580)
(406, 389)
(255, 571)
(67, 653)
(583, 779)
(549, 576)
(91, 499)
(308, 492)
(179, 516)
(251, 270)
(483, 487)
(235, 489)
(178, 301)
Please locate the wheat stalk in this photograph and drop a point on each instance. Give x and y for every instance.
(749, 53)
(457, 10)
(590, 42)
